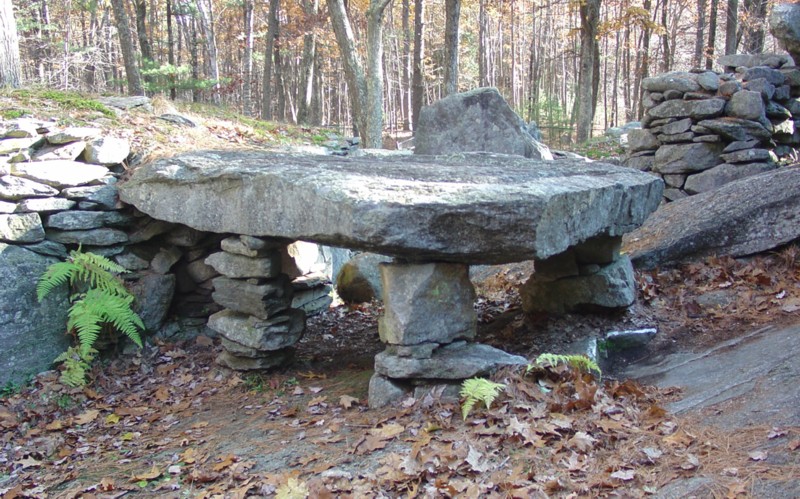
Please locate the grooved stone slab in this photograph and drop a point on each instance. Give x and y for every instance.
(469, 208)
(455, 361)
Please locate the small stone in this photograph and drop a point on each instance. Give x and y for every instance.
(275, 333)
(48, 248)
(736, 129)
(642, 140)
(182, 235)
(761, 86)
(93, 237)
(44, 205)
(636, 338)
(262, 298)
(785, 129)
(429, 302)
(777, 112)
(707, 138)
(729, 88)
(675, 180)
(16, 188)
(746, 105)
(69, 152)
(154, 294)
(22, 228)
(22, 156)
(677, 138)
(166, 257)
(677, 126)
(313, 300)
(557, 266)
(84, 220)
(60, 173)
(107, 151)
(105, 196)
(673, 194)
(708, 80)
(684, 158)
(702, 109)
(680, 81)
(272, 359)
(22, 129)
(782, 93)
(199, 271)
(148, 228)
(642, 163)
(236, 246)
(132, 261)
(772, 76)
(673, 94)
(359, 280)
(457, 361)
(749, 156)
(259, 243)
(384, 391)
(601, 250)
(232, 265)
(72, 134)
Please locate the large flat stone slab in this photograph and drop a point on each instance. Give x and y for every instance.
(470, 208)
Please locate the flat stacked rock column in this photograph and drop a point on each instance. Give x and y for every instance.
(428, 325)
(589, 275)
(258, 326)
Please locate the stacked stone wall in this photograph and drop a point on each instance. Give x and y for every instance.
(703, 129)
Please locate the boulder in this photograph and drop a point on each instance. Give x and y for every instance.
(470, 208)
(22, 228)
(732, 61)
(359, 280)
(784, 24)
(723, 174)
(611, 287)
(458, 360)
(478, 120)
(69, 152)
(743, 217)
(32, 334)
(431, 302)
(106, 151)
(10, 146)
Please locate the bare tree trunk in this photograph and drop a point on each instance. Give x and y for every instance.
(644, 68)
(306, 87)
(272, 33)
(699, 35)
(204, 13)
(417, 85)
(452, 15)
(665, 59)
(731, 26)
(482, 81)
(141, 32)
(280, 85)
(373, 133)
(171, 52)
(10, 66)
(586, 94)
(712, 34)
(756, 16)
(353, 71)
(128, 51)
(406, 84)
(247, 62)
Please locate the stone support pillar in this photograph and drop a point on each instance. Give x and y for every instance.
(428, 326)
(589, 275)
(258, 326)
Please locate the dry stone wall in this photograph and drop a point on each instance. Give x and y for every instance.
(702, 130)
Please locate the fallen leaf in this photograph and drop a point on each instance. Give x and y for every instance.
(691, 462)
(292, 489)
(679, 439)
(87, 417)
(315, 389)
(794, 444)
(224, 462)
(387, 431)
(175, 469)
(112, 419)
(624, 475)
(317, 400)
(757, 455)
(148, 476)
(582, 441)
(652, 453)
(776, 432)
(204, 341)
(474, 459)
(28, 462)
(730, 471)
(54, 426)
(347, 401)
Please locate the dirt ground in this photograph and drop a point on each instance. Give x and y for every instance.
(169, 422)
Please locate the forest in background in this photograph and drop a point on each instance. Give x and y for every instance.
(281, 60)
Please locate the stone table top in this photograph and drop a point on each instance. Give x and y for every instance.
(468, 208)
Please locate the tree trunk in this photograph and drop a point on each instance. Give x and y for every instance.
(204, 13)
(665, 58)
(406, 83)
(699, 35)
(712, 34)
(482, 81)
(171, 52)
(644, 67)
(10, 66)
(247, 62)
(452, 15)
(272, 33)
(373, 133)
(756, 15)
(353, 71)
(417, 85)
(306, 87)
(141, 31)
(128, 50)
(585, 96)
(731, 25)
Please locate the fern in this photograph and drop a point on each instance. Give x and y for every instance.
(478, 389)
(76, 364)
(580, 362)
(87, 315)
(82, 270)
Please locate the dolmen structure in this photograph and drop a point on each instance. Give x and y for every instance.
(435, 215)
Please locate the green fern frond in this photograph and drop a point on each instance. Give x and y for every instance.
(76, 364)
(580, 362)
(55, 275)
(99, 307)
(97, 271)
(478, 389)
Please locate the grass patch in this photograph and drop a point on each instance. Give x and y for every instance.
(12, 114)
(69, 101)
(600, 148)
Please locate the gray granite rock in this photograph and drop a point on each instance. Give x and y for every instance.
(166, 257)
(11, 146)
(32, 334)
(557, 266)
(775, 111)
(684, 158)
(739, 145)
(678, 126)
(48, 248)
(21, 228)
(237, 246)
(456, 361)
(478, 120)
(601, 250)
(384, 391)
(643, 163)
(746, 105)
(680, 81)
(154, 293)
(743, 217)
(426, 302)
(734, 61)
(761, 86)
(313, 300)
(359, 280)
(84, 220)
(106, 151)
(69, 152)
(275, 333)
(736, 129)
(708, 80)
(239, 266)
(8, 207)
(105, 196)
(784, 24)
(261, 298)
(698, 109)
(60, 173)
(21, 129)
(44, 205)
(127, 103)
(15, 188)
(72, 134)
(749, 156)
(473, 208)
(772, 76)
(612, 287)
(184, 236)
(92, 237)
(723, 174)
(642, 140)
(200, 271)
